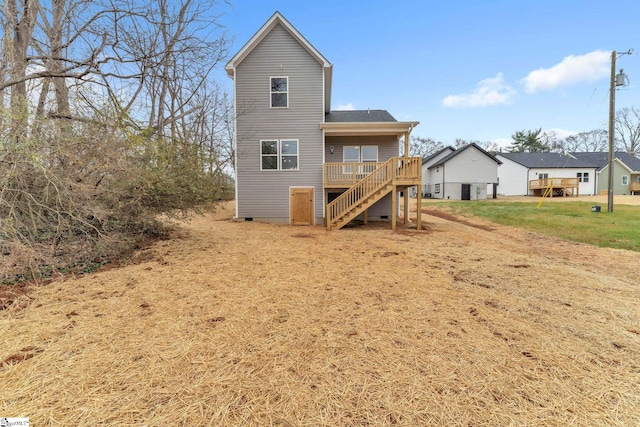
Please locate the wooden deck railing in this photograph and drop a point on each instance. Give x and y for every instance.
(401, 169)
(347, 174)
(344, 175)
(538, 184)
(634, 187)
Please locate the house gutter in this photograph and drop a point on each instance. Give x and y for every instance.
(443, 184)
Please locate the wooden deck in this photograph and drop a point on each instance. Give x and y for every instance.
(634, 187)
(564, 186)
(365, 184)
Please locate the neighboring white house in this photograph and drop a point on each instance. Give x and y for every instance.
(519, 170)
(462, 174)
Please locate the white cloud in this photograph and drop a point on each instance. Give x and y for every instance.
(561, 134)
(492, 91)
(502, 142)
(573, 69)
(345, 107)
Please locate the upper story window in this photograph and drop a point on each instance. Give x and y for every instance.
(363, 153)
(583, 176)
(360, 154)
(279, 92)
(279, 154)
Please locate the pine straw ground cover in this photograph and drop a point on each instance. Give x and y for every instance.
(253, 324)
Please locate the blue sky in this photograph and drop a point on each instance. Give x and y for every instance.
(478, 70)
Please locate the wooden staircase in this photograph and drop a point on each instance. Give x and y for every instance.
(373, 187)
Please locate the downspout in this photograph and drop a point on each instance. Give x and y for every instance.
(235, 135)
(443, 184)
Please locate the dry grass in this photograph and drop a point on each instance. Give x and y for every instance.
(256, 324)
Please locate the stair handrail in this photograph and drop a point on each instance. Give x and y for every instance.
(408, 167)
(361, 189)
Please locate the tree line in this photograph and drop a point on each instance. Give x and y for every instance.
(109, 119)
(627, 139)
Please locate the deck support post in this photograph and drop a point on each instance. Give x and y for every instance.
(394, 207)
(406, 205)
(419, 207)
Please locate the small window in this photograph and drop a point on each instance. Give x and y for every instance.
(583, 176)
(625, 179)
(289, 150)
(437, 188)
(269, 155)
(279, 154)
(369, 153)
(351, 154)
(279, 92)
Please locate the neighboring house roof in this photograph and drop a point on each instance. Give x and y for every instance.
(359, 116)
(462, 149)
(364, 122)
(598, 160)
(547, 160)
(601, 159)
(437, 153)
(278, 19)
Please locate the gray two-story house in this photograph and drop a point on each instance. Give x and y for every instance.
(298, 162)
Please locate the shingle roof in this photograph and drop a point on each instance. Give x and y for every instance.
(357, 116)
(601, 159)
(629, 160)
(461, 149)
(437, 153)
(598, 160)
(547, 160)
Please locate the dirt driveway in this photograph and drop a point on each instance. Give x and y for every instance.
(252, 324)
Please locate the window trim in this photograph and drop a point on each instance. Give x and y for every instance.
(279, 154)
(362, 152)
(271, 92)
(583, 176)
(359, 148)
(625, 178)
(296, 155)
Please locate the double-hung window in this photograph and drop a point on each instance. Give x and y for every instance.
(279, 92)
(279, 154)
(360, 154)
(583, 176)
(625, 179)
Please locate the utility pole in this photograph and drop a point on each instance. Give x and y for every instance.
(612, 113)
(616, 80)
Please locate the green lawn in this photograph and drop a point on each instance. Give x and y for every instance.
(568, 220)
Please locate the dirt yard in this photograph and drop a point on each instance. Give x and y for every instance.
(230, 323)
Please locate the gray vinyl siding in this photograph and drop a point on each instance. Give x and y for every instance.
(265, 194)
(618, 171)
(387, 148)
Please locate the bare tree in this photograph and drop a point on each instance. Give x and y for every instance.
(485, 145)
(424, 147)
(125, 124)
(627, 125)
(591, 141)
(19, 22)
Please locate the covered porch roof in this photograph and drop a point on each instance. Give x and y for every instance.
(364, 122)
